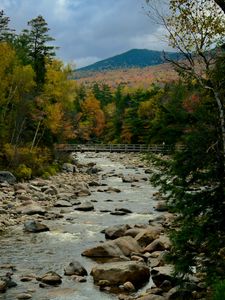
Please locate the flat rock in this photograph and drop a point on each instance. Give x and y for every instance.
(51, 278)
(31, 209)
(62, 203)
(85, 206)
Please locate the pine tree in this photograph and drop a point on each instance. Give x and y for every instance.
(39, 49)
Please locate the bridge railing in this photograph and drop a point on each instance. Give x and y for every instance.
(112, 148)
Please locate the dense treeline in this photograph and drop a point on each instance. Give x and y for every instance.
(36, 98)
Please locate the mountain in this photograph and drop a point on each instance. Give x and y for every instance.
(135, 58)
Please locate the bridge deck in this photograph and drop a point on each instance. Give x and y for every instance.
(111, 148)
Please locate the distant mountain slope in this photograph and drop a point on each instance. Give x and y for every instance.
(135, 58)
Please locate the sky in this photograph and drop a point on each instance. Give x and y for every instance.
(87, 31)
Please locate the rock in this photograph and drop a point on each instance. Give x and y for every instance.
(176, 294)
(128, 286)
(83, 193)
(146, 236)
(118, 213)
(119, 247)
(128, 179)
(35, 226)
(160, 274)
(31, 209)
(116, 231)
(113, 190)
(51, 278)
(8, 177)
(160, 244)
(24, 296)
(69, 168)
(121, 272)
(161, 206)
(3, 286)
(85, 206)
(126, 210)
(166, 286)
(133, 232)
(75, 268)
(62, 203)
(78, 278)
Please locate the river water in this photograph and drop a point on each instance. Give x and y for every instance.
(77, 231)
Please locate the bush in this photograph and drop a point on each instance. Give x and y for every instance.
(23, 172)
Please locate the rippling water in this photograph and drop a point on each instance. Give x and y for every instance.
(68, 237)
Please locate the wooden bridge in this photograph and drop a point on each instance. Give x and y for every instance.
(112, 148)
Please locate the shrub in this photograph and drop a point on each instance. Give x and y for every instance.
(23, 172)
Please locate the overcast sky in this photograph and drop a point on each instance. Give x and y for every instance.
(89, 30)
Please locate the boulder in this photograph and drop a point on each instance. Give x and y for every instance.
(31, 209)
(51, 278)
(160, 274)
(75, 268)
(116, 231)
(160, 244)
(6, 176)
(123, 246)
(121, 272)
(146, 236)
(177, 293)
(35, 226)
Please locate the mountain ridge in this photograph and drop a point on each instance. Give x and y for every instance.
(134, 58)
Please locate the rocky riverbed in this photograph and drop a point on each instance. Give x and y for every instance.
(94, 231)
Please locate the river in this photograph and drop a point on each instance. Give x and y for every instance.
(76, 231)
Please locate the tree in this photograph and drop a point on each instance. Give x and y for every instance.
(6, 34)
(40, 52)
(195, 178)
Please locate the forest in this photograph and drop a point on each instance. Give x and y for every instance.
(41, 105)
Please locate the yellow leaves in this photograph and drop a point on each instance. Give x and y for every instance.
(58, 87)
(91, 119)
(54, 117)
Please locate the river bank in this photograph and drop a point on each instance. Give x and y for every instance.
(77, 208)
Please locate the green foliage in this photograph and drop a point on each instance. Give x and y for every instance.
(219, 290)
(23, 172)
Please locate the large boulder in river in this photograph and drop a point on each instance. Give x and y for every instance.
(6, 176)
(120, 247)
(118, 273)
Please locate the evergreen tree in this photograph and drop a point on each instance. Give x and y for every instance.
(6, 34)
(38, 46)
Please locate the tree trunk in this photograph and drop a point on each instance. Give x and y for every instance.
(35, 136)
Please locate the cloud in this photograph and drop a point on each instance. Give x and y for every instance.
(88, 29)
(85, 61)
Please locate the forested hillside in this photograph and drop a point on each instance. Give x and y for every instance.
(134, 58)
